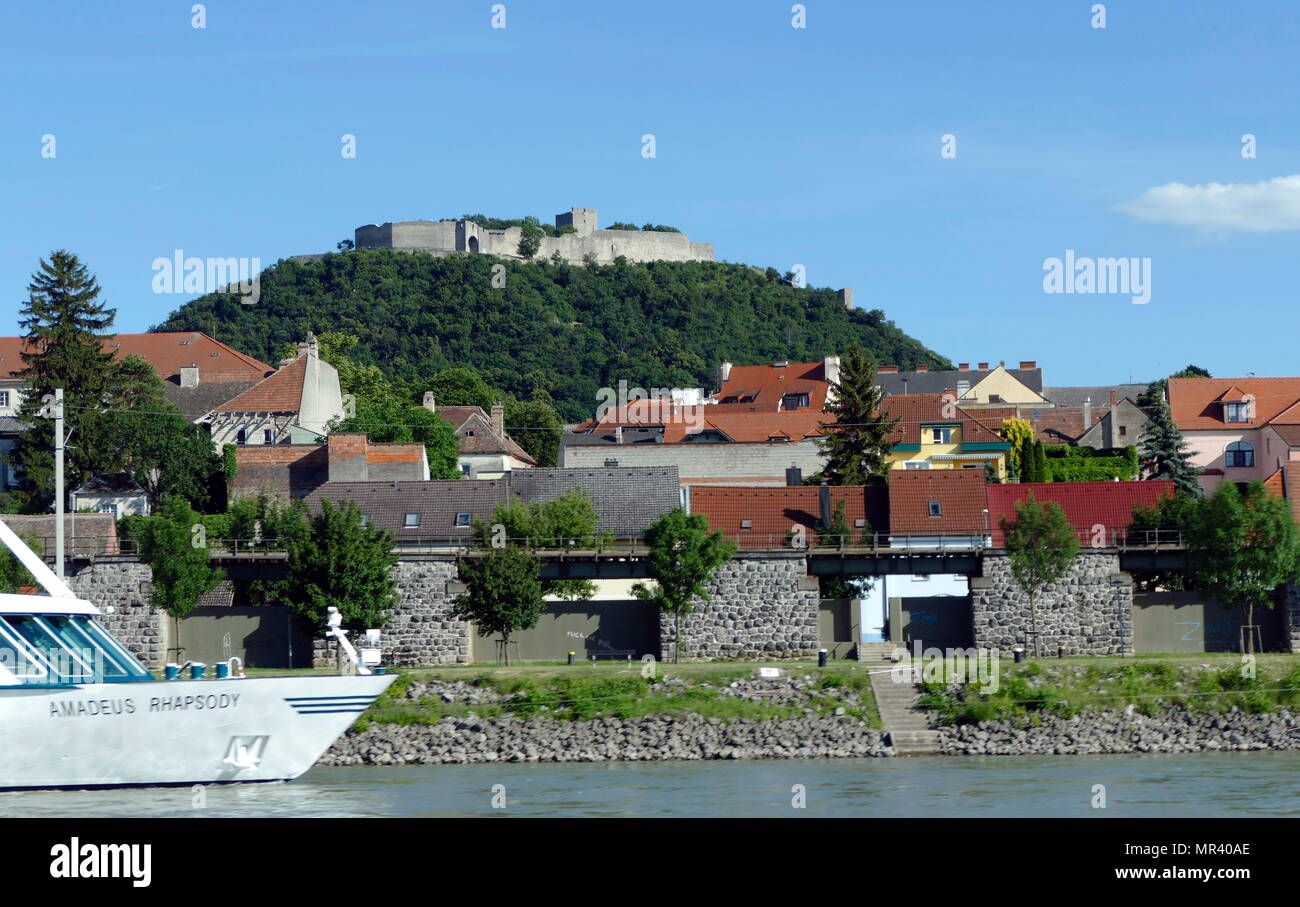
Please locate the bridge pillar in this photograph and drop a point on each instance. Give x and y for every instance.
(759, 606)
(126, 586)
(1090, 610)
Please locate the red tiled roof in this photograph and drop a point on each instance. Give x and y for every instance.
(1086, 504)
(280, 393)
(765, 385)
(474, 427)
(773, 511)
(960, 493)
(167, 352)
(1196, 402)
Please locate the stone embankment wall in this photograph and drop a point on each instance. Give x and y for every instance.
(125, 586)
(1090, 611)
(761, 606)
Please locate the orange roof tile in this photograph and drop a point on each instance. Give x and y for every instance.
(280, 393)
(960, 492)
(771, 512)
(766, 385)
(167, 352)
(1197, 403)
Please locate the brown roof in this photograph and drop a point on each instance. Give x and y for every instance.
(772, 512)
(961, 494)
(474, 428)
(1197, 403)
(280, 393)
(737, 424)
(166, 352)
(765, 385)
(914, 410)
(84, 534)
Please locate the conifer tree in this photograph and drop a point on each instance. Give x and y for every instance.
(63, 323)
(1165, 451)
(857, 448)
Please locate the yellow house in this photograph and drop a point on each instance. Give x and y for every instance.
(934, 433)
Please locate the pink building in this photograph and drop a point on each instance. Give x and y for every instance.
(1237, 429)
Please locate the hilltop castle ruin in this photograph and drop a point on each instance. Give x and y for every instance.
(442, 237)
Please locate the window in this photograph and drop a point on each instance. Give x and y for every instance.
(412, 521)
(917, 464)
(1236, 412)
(794, 401)
(746, 524)
(1240, 454)
(241, 436)
(462, 519)
(936, 508)
(4, 398)
(108, 508)
(268, 436)
(939, 435)
(365, 521)
(1123, 430)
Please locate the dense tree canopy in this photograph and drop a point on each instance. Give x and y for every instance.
(555, 329)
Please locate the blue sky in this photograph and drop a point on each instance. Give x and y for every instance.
(817, 146)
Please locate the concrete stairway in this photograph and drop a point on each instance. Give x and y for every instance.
(909, 729)
(875, 653)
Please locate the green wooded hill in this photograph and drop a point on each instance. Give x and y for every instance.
(553, 329)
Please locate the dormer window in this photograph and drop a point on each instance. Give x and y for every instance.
(936, 508)
(794, 401)
(1238, 411)
(939, 435)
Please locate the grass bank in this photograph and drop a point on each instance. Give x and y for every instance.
(583, 692)
(1149, 684)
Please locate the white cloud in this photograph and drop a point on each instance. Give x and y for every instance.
(1254, 207)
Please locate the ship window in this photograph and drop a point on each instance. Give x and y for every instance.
(76, 637)
(16, 658)
(68, 665)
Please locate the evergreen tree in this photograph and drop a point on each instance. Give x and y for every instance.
(62, 325)
(857, 447)
(1165, 451)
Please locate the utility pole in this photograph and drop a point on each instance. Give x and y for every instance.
(58, 482)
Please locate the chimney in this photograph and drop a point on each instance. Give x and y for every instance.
(1028, 363)
(724, 372)
(618, 434)
(887, 370)
(793, 476)
(498, 420)
(346, 456)
(310, 346)
(1114, 399)
(922, 369)
(846, 296)
(189, 376)
(963, 366)
(983, 366)
(824, 499)
(831, 369)
(1087, 414)
(429, 402)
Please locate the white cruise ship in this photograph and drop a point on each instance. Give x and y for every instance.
(78, 710)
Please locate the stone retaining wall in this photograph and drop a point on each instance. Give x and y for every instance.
(1090, 610)
(759, 606)
(125, 586)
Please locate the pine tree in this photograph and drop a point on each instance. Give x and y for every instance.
(63, 324)
(858, 447)
(1165, 451)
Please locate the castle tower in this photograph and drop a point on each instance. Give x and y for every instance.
(582, 220)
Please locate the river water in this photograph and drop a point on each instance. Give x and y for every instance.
(1195, 785)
